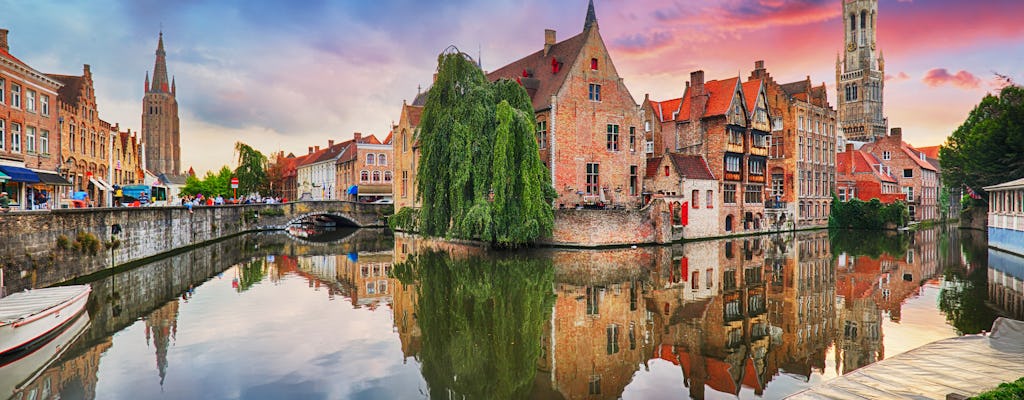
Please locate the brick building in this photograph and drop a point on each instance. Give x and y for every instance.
(860, 77)
(29, 133)
(407, 153)
(368, 165)
(587, 121)
(691, 190)
(864, 177)
(160, 131)
(801, 150)
(127, 156)
(315, 173)
(730, 128)
(917, 178)
(86, 139)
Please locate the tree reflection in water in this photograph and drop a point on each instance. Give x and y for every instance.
(481, 320)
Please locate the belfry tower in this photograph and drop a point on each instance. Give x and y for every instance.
(860, 77)
(160, 133)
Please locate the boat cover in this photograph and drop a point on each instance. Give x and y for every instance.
(965, 365)
(31, 302)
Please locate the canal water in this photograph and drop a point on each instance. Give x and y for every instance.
(370, 315)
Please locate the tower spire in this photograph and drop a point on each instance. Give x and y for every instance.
(160, 83)
(591, 16)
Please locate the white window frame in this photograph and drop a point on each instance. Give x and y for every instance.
(30, 100)
(44, 104)
(3, 91)
(30, 139)
(382, 159)
(371, 159)
(15, 95)
(15, 138)
(44, 141)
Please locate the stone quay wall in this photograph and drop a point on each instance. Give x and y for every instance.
(42, 248)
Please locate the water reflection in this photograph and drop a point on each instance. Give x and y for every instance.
(368, 315)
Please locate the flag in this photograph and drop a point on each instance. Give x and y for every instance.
(972, 193)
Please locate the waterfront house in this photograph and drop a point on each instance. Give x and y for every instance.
(1006, 216)
(917, 178)
(689, 187)
(315, 176)
(586, 118)
(407, 153)
(862, 176)
(365, 171)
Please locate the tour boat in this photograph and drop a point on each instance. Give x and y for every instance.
(18, 374)
(28, 316)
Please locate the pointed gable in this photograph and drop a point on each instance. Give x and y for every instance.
(691, 166)
(722, 96)
(544, 73)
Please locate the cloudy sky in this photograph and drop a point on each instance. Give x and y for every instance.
(280, 76)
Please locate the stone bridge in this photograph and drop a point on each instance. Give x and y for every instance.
(41, 248)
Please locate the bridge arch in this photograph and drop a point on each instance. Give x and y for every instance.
(341, 218)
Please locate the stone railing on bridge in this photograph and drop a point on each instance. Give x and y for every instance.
(41, 248)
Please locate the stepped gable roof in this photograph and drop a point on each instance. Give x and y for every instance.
(691, 167)
(541, 81)
(819, 95)
(652, 166)
(720, 94)
(751, 89)
(72, 88)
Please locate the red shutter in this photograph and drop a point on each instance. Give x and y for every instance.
(684, 214)
(684, 267)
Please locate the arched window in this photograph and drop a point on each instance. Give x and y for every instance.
(364, 176)
(387, 176)
(863, 19)
(370, 159)
(376, 176)
(728, 223)
(854, 92)
(382, 159)
(853, 22)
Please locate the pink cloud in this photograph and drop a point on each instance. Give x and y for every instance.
(902, 76)
(940, 76)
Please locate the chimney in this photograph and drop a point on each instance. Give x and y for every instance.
(356, 136)
(698, 96)
(85, 69)
(897, 133)
(549, 40)
(316, 148)
(758, 72)
(330, 142)
(310, 149)
(3, 40)
(849, 147)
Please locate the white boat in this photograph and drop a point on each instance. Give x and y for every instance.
(28, 316)
(17, 375)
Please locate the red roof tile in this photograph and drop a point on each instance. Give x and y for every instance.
(666, 110)
(691, 167)
(930, 151)
(544, 82)
(720, 95)
(914, 156)
(750, 91)
(387, 140)
(652, 166)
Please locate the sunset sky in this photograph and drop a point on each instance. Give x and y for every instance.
(280, 76)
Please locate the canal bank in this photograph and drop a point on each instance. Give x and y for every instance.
(42, 248)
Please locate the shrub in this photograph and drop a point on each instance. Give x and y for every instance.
(63, 242)
(406, 219)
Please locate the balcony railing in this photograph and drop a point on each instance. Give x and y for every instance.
(774, 205)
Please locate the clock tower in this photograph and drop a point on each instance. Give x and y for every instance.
(860, 77)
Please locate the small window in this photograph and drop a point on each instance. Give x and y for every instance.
(370, 159)
(376, 176)
(908, 173)
(364, 176)
(886, 155)
(695, 201)
(382, 159)
(593, 64)
(594, 92)
(666, 170)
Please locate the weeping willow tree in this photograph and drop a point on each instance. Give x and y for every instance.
(480, 174)
(251, 171)
(481, 321)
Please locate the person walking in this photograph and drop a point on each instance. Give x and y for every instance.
(5, 202)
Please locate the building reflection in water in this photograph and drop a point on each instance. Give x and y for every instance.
(731, 316)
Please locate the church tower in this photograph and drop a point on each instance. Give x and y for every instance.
(860, 77)
(160, 134)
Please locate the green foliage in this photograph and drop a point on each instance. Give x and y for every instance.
(272, 211)
(1005, 391)
(251, 171)
(63, 242)
(858, 214)
(986, 149)
(212, 185)
(250, 274)
(481, 321)
(87, 243)
(406, 219)
(856, 243)
(480, 174)
(113, 243)
(962, 300)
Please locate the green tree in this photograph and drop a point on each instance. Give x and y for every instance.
(480, 174)
(211, 185)
(251, 171)
(987, 148)
(481, 320)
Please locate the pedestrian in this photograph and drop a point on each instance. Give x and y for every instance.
(118, 195)
(5, 202)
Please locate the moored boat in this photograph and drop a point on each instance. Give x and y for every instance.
(27, 316)
(16, 374)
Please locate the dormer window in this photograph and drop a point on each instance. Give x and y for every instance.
(593, 64)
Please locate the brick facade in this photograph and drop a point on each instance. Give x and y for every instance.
(589, 126)
(801, 166)
(407, 154)
(29, 128)
(915, 176)
(368, 164)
